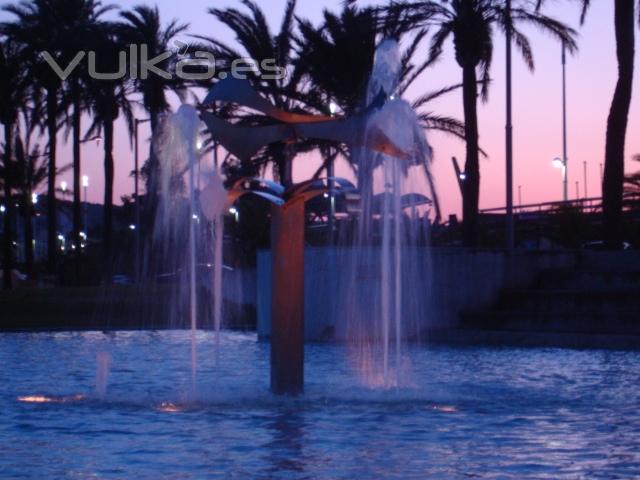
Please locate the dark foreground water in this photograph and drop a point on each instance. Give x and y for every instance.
(471, 413)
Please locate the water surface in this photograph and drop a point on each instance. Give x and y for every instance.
(467, 413)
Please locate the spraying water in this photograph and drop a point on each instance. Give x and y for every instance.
(178, 151)
(388, 284)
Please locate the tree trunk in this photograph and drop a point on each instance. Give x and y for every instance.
(472, 167)
(52, 220)
(28, 220)
(9, 207)
(613, 183)
(108, 199)
(77, 186)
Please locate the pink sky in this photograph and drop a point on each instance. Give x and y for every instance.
(537, 108)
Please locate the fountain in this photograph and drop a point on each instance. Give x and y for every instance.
(492, 413)
(394, 307)
(177, 148)
(386, 136)
(385, 307)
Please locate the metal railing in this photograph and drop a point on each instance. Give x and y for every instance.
(586, 205)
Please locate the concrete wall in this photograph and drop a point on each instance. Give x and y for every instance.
(460, 280)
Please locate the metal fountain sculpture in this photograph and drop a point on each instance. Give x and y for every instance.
(287, 217)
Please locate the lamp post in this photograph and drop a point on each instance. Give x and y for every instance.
(520, 196)
(333, 109)
(562, 164)
(509, 134)
(85, 186)
(564, 122)
(136, 190)
(586, 190)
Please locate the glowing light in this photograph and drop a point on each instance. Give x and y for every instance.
(445, 409)
(35, 399)
(557, 163)
(2, 209)
(199, 144)
(168, 407)
(233, 211)
(132, 227)
(61, 238)
(85, 181)
(194, 216)
(63, 186)
(463, 176)
(333, 108)
(34, 198)
(45, 399)
(326, 195)
(83, 235)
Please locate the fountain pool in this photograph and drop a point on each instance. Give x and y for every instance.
(470, 413)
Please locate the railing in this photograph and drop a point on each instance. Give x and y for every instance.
(586, 205)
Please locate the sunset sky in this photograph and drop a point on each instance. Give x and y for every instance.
(537, 108)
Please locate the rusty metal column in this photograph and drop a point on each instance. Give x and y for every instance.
(287, 304)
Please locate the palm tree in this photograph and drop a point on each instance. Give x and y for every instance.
(471, 24)
(256, 41)
(32, 173)
(347, 42)
(15, 83)
(142, 26)
(7, 182)
(107, 99)
(58, 27)
(617, 122)
(39, 27)
(81, 20)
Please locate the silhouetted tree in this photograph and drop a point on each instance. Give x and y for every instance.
(471, 25)
(255, 40)
(142, 27)
(617, 122)
(107, 100)
(14, 84)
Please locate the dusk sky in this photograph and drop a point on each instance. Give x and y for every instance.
(537, 108)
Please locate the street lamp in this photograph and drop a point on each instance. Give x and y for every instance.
(85, 186)
(136, 175)
(562, 164)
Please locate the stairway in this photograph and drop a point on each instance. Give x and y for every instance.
(594, 305)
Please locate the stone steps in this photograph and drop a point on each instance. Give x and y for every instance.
(567, 322)
(601, 297)
(590, 280)
(529, 339)
(558, 302)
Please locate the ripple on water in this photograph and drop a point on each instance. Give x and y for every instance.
(469, 413)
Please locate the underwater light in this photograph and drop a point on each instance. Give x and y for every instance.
(35, 399)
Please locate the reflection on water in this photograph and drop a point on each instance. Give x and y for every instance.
(285, 448)
(468, 413)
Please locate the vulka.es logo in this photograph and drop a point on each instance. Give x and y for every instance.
(137, 65)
